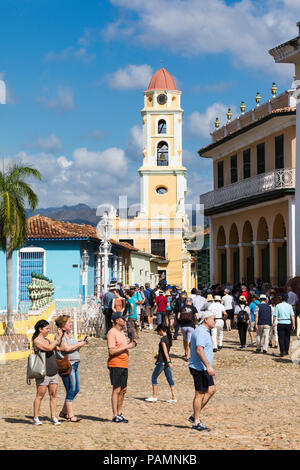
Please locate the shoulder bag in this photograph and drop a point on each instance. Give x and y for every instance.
(64, 366)
(36, 366)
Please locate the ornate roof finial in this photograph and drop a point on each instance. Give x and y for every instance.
(229, 115)
(258, 99)
(217, 123)
(243, 107)
(274, 90)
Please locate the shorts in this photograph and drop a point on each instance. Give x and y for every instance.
(229, 314)
(131, 328)
(187, 332)
(118, 376)
(251, 326)
(202, 380)
(170, 315)
(148, 312)
(47, 380)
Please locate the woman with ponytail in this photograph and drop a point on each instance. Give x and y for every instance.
(163, 363)
(50, 381)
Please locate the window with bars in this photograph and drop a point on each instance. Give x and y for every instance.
(29, 261)
(220, 174)
(279, 154)
(158, 247)
(247, 163)
(233, 169)
(260, 158)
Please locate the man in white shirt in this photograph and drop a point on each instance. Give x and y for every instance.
(198, 302)
(227, 300)
(292, 298)
(217, 332)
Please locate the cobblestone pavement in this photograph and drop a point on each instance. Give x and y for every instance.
(255, 407)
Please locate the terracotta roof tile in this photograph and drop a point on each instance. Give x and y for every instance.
(40, 226)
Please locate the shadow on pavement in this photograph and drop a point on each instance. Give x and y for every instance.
(280, 359)
(173, 426)
(19, 421)
(94, 418)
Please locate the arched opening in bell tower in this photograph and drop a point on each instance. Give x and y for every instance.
(162, 154)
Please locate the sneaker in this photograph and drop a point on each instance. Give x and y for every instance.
(200, 427)
(265, 352)
(124, 420)
(242, 347)
(151, 327)
(276, 346)
(252, 343)
(152, 399)
(37, 422)
(220, 347)
(215, 350)
(117, 419)
(172, 401)
(55, 421)
(257, 350)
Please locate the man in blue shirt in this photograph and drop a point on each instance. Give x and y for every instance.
(200, 365)
(149, 306)
(286, 322)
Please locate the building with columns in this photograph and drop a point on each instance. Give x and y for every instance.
(251, 209)
(160, 225)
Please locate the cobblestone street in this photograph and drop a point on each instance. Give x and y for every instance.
(255, 407)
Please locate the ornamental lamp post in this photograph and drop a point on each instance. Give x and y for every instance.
(104, 231)
(85, 263)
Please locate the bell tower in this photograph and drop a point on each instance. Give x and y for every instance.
(163, 178)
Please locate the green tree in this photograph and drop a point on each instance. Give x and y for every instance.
(15, 193)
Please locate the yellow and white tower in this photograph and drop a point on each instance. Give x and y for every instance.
(162, 221)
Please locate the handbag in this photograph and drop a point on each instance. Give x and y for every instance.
(36, 366)
(64, 366)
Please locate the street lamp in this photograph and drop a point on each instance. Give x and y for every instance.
(103, 231)
(85, 262)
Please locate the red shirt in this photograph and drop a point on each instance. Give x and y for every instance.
(248, 296)
(161, 302)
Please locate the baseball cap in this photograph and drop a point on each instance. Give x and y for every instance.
(206, 314)
(263, 297)
(117, 315)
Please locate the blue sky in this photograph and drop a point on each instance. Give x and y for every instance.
(75, 72)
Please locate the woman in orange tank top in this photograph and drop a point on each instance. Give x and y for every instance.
(118, 304)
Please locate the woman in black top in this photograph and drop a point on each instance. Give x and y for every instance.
(163, 363)
(50, 381)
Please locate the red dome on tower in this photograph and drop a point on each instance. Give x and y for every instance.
(162, 80)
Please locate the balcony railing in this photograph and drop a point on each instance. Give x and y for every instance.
(264, 183)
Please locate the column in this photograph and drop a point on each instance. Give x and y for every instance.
(292, 241)
(257, 259)
(273, 246)
(120, 269)
(98, 275)
(212, 253)
(229, 264)
(243, 265)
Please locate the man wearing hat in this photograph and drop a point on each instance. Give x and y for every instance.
(117, 364)
(217, 332)
(200, 366)
(263, 323)
(107, 306)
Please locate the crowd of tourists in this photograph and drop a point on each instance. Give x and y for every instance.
(259, 312)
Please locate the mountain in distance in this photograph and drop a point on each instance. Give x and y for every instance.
(79, 214)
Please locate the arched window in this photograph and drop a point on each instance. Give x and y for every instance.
(162, 154)
(162, 126)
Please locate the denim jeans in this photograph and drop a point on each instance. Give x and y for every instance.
(162, 366)
(176, 327)
(161, 318)
(71, 382)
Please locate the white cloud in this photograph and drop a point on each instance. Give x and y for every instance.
(109, 161)
(202, 124)
(135, 144)
(48, 144)
(131, 77)
(64, 101)
(244, 29)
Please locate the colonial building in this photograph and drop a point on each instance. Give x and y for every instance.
(251, 209)
(160, 225)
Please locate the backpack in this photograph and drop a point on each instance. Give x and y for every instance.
(152, 298)
(242, 316)
(186, 317)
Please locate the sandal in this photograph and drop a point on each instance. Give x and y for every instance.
(63, 415)
(73, 419)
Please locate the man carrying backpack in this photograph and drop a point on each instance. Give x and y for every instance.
(242, 318)
(149, 306)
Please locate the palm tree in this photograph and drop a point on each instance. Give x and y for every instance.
(14, 194)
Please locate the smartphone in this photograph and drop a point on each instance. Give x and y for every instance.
(86, 338)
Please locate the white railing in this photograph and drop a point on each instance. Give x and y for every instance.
(266, 182)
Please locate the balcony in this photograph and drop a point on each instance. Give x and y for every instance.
(260, 185)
